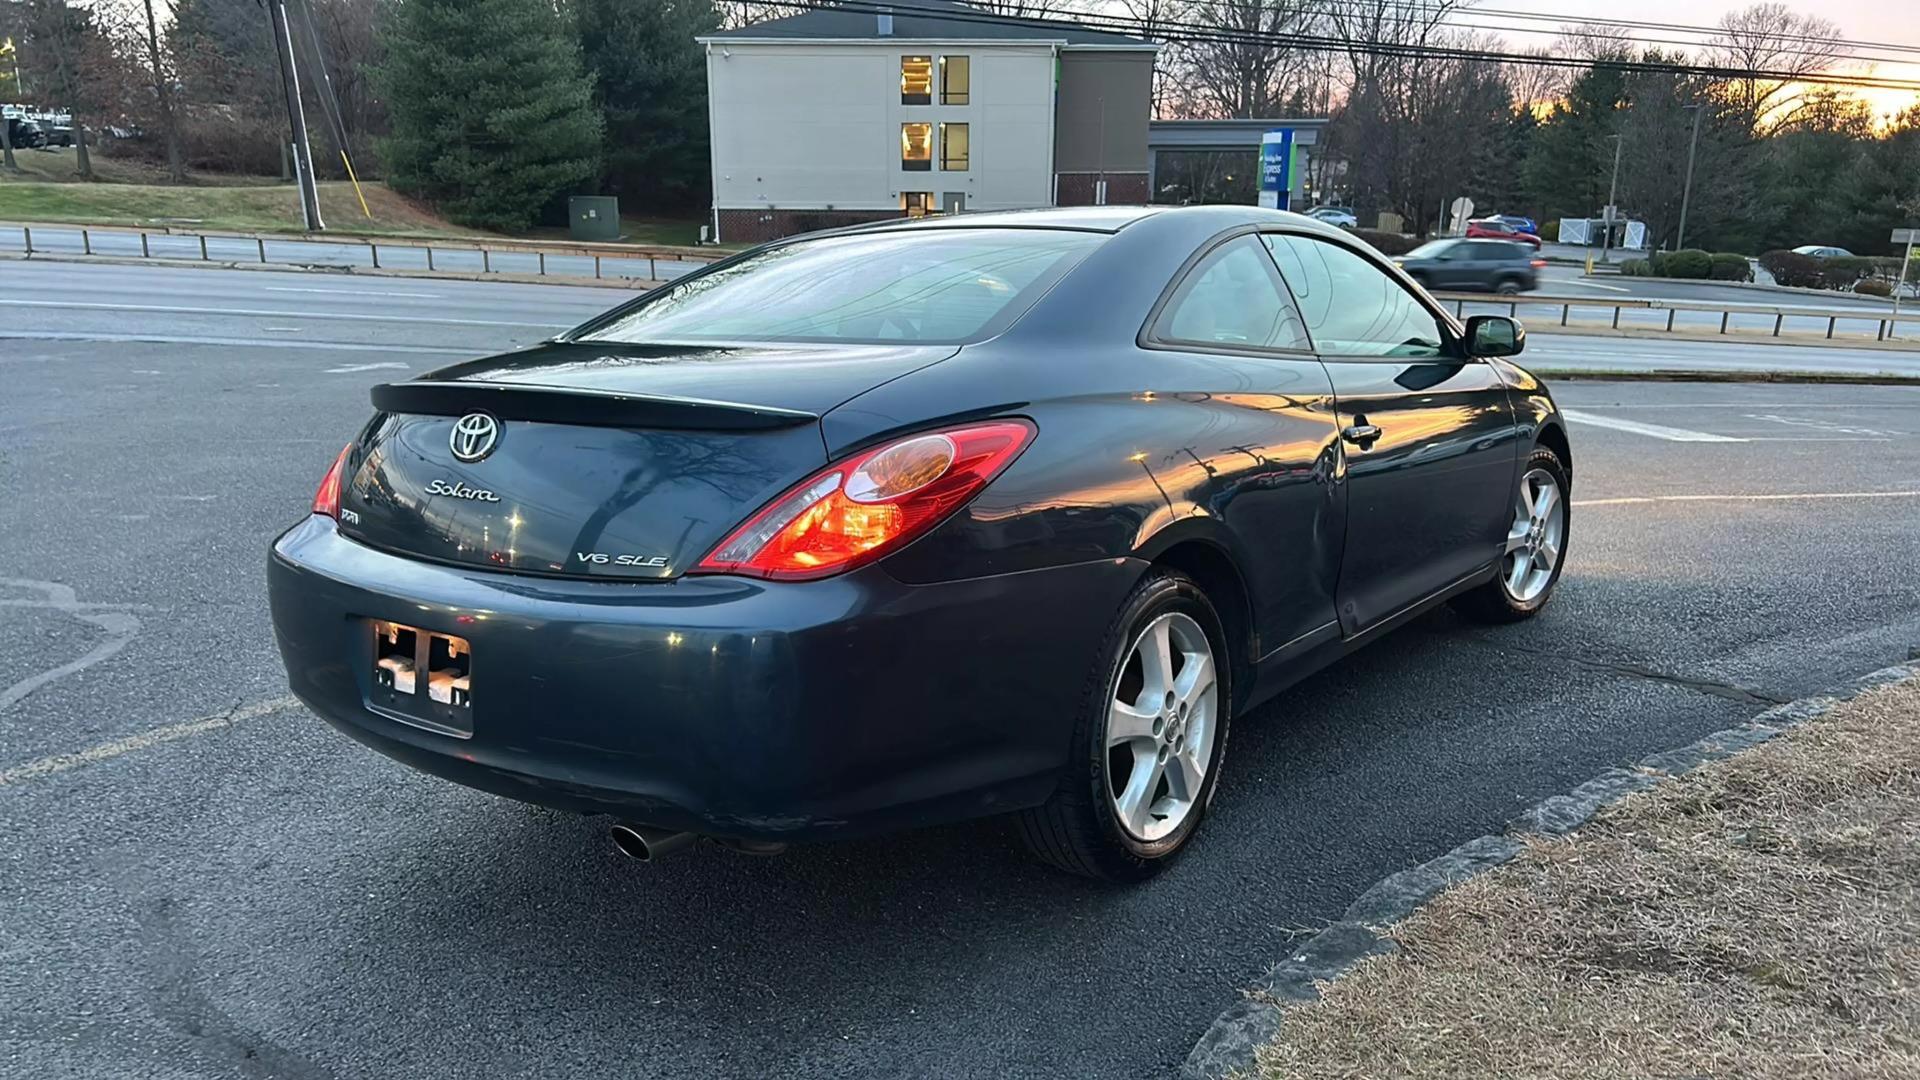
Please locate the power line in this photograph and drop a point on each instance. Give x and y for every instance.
(1212, 33)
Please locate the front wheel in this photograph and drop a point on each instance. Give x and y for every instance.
(1148, 742)
(1535, 548)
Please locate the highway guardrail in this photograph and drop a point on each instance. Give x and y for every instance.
(1886, 321)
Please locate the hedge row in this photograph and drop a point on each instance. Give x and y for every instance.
(1846, 273)
(1690, 263)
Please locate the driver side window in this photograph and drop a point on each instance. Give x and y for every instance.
(1351, 306)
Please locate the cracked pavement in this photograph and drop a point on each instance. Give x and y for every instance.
(262, 897)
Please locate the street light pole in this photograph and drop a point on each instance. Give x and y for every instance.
(1686, 192)
(1613, 189)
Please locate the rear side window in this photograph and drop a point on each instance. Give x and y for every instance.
(932, 286)
(1351, 306)
(1232, 298)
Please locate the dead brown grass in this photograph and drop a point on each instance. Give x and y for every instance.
(1756, 918)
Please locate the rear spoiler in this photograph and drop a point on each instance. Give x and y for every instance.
(573, 405)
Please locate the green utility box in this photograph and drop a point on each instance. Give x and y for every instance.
(593, 217)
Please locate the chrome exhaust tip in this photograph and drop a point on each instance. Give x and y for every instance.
(647, 844)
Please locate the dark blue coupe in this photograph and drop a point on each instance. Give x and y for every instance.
(922, 521)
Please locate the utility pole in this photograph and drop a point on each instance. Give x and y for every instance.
(1686, 192)
(1606, 214)
(296, 117)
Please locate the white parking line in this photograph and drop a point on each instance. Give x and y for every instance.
(1631, 500)
(349, 368)
(350, 292)
(1652, 431)
(59, 763)
(1587, 284)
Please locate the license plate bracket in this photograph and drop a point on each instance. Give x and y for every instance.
(420, 677)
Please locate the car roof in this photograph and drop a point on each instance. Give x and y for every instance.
(1101, 219)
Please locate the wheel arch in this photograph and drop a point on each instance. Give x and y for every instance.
(1553, 436)
(1209, 561)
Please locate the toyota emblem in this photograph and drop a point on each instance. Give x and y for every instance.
(474, 437)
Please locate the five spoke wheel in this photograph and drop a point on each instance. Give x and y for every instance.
(1535, 537)
(1161, 725)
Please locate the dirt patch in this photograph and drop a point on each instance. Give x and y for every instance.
(1759, 917)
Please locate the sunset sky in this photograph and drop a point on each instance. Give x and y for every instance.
(1888, 22)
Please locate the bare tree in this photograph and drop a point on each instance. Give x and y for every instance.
(1594, 41)
(1772, 37)
(1246, 74)
(1537, 86)
(163, 96)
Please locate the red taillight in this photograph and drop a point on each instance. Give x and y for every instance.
(857, 510)
(1538, 263)
(327, 499)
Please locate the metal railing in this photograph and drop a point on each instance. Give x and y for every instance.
(600, 253)
(1885, 321)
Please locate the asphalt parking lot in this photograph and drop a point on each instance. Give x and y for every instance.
(202, 880)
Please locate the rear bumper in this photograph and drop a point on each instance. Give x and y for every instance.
(750, 709)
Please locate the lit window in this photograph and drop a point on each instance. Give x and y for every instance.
(916, 203)
(916, 80)
(916, 147)
(956, 76)
(953, 147)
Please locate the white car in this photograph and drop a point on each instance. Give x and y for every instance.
(1335, 215)
(1820, 251)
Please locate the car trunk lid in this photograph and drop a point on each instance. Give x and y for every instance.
(597, 460)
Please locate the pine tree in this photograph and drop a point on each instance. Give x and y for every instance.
(492, 112)
(651, 85)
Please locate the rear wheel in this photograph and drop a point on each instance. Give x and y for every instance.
(1148, 743)
(1507, 286)
(1535, 550)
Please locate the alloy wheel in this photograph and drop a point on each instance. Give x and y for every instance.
(1534, 540)
(1161, 727)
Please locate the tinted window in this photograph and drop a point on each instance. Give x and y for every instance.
(1432, 249)
(937, 286)
(1232, 298)
(1351, 306)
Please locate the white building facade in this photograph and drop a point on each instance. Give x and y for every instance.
(812, 131)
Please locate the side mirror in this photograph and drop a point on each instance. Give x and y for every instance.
(1495, 335)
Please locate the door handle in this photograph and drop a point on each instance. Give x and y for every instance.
(1360, 434)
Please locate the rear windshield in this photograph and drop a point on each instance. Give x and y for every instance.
(932, 286)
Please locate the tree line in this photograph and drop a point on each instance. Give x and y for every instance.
(493, 109)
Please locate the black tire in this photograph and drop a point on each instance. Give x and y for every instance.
(1507, 286)
(1492, 602)
(1078, 828)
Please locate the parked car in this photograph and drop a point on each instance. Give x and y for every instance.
(1520, 222)
(60, 135)
(1341, 216)
(1819, 251)
(922, 521)
(1502, 266)
(25, 134)
(1496, 229)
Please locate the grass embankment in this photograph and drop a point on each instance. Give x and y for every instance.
(1759, 917)
(133, 192)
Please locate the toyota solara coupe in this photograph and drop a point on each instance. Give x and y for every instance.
(922, 521)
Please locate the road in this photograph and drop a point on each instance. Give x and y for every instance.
(393, 255)
(202, 880)
(408, 321)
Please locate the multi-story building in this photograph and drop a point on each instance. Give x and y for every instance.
(833, 117)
